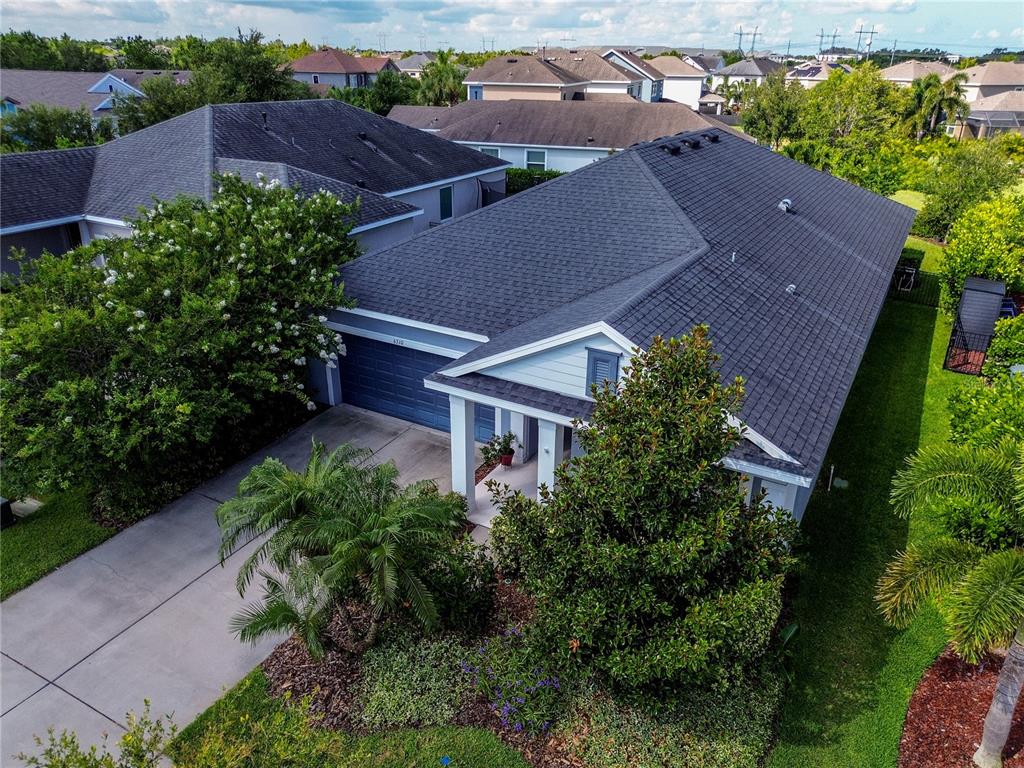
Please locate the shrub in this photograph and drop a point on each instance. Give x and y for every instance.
(984, 415)
(133, 379)
(702, 729)
(412, 681)
(986, 241)
(964, 177)
(1007, 347)
(507, 672)
(39, 127)
(462, 581)
(518, 179)
(646, 566)
(141, 746)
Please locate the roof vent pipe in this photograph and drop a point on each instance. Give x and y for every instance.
(785, 205)
(362, 135)
(791, 289)
(264, 116)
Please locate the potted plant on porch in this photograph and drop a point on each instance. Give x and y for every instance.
(500, 448)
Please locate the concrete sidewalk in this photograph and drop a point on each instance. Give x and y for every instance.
(145, 614)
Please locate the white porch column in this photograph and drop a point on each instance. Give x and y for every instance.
(517, 424)
(550, 439)
(462, 413)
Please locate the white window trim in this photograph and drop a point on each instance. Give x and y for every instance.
(496, 149)
(316, 79)
(527, 161)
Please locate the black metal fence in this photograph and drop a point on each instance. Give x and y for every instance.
(914, 285)
(966, 351)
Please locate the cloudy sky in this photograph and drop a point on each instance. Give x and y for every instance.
(965, 26)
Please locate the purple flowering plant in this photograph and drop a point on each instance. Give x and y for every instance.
(523, 695)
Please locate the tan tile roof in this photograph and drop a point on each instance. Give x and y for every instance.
(673, 66)
(907, 71)
(337, 62)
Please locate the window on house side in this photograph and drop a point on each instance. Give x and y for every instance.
(601, 366)
(536, 159)
(490, 151)
(446, 202)
(316, 78)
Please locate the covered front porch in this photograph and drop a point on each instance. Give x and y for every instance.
(543, 442)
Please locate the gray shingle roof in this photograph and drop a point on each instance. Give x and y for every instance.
(70, 89)
(644, 241)
(178, 156)
(599, 124)
(38, 186)
(750, 68)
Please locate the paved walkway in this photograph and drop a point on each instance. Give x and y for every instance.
(145, 614)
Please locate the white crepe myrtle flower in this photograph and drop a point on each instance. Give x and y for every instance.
(139, 313)
(167, 292)
(67, 419)
(56, 323)
(225, 316)
(109, 305)
(274, 349)
(277, 325)
(293, 262)
(131, 275)
(221, 304)
(131, 329)
(301, 386)
(333, 355)
(342, 350)
(141, 326)
(321, 338)
(321, 318)
(310, 406)
(260, 348)
(302, 249)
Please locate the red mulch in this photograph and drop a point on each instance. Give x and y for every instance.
(483, 471)
(946, 714)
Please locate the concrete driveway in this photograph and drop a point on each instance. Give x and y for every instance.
(145, 614)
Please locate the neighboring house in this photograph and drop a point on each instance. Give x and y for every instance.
(745, 71)
(992, 78)
(839, 53)
(652, 80)
(334, 67)
(991, 116)
(413, 65)
(600, 75)
(810, 73)
(683, 82)
(522, 77)
(707, 63)
(906, 72)
(20, 88)
(502, 319)
(406, 179)
(552, 135)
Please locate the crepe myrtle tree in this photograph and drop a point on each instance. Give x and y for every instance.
(131, 378)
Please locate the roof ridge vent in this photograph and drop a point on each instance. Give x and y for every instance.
(692, 143)
(785, 205)
(712, 137)
(791, 289)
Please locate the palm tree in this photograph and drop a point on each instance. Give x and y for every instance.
(340, 529)
(980, 592)
(948, 99)
(441, 81)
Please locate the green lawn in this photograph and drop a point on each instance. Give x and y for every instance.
(932, 252)
(59, 531)
(249, 727)
(909, 197)
(853, 675)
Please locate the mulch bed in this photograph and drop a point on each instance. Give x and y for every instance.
(332, 683)
(947, 712)
(483, 471)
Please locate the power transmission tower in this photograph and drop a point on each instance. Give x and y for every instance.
(788, 44)
(871, 37)
(739, 34)
(423, 43)
(382, 41)
(835, 34)
(753, 41)
(568, 39)
(821, 40)
(892, 58)
(860, 34)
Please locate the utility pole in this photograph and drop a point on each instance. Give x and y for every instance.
(753, 41)
(821, 41)
(871, 37)
(835, 34)
(892, 58)
(860, 34)
(739, 34)
(788, 44)
(382, 41)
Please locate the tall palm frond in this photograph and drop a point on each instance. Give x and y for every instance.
(957, 470)
(986, 607)
(921, 573)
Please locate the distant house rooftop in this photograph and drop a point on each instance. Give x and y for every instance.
(521, 70)
(673, 66)
(338, 62)
(995, 73)
(600, 125)
(750, 68)
(415, 63)
(908, 71)
(73, 90)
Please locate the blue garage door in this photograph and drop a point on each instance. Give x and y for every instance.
(389, 379)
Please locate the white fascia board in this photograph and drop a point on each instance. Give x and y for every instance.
(13, 230)
(526, 85)
(104, 220)
(534, 146)
(767, 473)
(413, 323)
(387, 338)
(443, 182)
(385, 222)
(627, 63)
(760, 441)
(540, 345)
(497, 402)
(100, 88)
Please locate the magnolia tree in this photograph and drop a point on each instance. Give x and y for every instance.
(136, 378)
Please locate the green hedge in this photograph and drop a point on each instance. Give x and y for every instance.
(518, 179)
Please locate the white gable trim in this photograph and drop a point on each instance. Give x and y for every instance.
(760, 441)
(13, 230)
(540, 345)
(627, 63)
(413, 323)
(101, 87)
(749, 468)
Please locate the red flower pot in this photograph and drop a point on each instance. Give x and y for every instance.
(506, 460)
